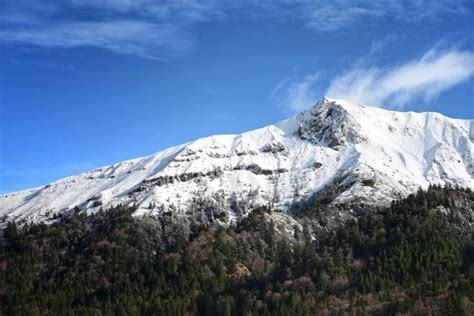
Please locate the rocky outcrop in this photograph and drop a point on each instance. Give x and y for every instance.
(329, 123)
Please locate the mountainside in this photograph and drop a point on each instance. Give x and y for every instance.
(415, 257)
(358, 153)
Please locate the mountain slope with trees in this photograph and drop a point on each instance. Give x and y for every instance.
(415, 256)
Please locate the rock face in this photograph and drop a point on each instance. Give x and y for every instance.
(330, 125)
(355, 152)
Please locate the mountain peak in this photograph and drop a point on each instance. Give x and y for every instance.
(326, 101)
(330, 122)
(339, 150)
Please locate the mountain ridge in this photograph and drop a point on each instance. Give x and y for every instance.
(365, 154)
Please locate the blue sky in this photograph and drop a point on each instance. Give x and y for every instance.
(86, 83)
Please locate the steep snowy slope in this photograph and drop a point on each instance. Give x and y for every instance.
(363, 154)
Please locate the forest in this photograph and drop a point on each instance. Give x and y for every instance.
(415, 256)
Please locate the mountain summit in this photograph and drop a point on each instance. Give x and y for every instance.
(347, 152)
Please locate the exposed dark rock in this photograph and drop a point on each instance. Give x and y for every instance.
(256, 169)
(273, 147)
(164, 180)
(368, 182)
(330, 123)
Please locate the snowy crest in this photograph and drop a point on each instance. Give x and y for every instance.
(337, 151)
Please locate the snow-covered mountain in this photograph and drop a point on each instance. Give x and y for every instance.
(359, 153)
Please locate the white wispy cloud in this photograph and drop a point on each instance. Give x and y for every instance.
(302, 94)
(162, 29)
(341, 14)
(297, 95)
(154, 30)
(424, 78)
(334, 17)
(139, 38)
(378, 46)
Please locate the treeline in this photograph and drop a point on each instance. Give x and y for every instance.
(414, 257)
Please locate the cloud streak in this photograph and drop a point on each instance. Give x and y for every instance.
(424, 78)
(342, 14)
(142, 39)
(164, 29)
(297, 95)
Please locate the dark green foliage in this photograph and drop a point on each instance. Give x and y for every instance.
(408, 258)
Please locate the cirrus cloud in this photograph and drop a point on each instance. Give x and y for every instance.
(143, 39)
(424, 78)
(164, 29)
(297, 95)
